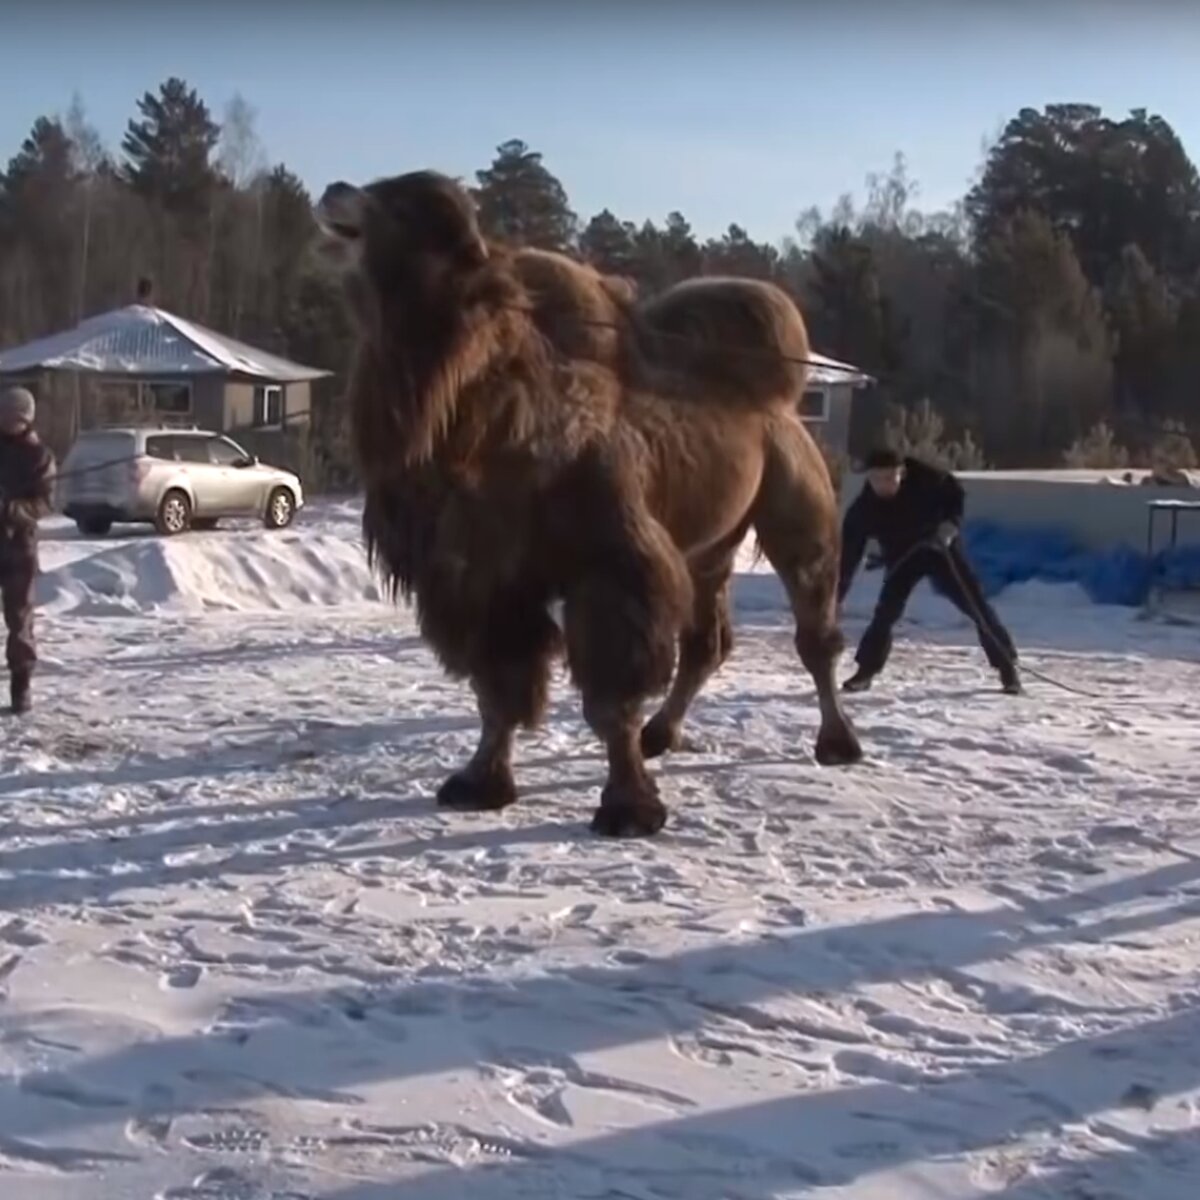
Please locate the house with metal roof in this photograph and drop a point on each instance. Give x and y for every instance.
(145, 365)
(828, 399)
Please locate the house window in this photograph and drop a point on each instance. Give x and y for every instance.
(814, 405)
(268, 405)
(113, 403)
(169, 399)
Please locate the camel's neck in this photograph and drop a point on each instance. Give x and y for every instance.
(404, 394)
(425, 350)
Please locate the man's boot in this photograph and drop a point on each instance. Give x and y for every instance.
(1010, 681)
(19, 687)
(860, 681)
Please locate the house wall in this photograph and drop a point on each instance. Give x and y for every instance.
(281, 447)
(1101, 516)
(298, 403)
(70, 402)
(208, 402)
(238, 412)
(834, 432)
(239, 405)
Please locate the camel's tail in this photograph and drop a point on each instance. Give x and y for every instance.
(735, 342)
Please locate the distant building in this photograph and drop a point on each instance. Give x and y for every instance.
(826, 404)
(141, 364)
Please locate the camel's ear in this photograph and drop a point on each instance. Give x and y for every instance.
(340, 209)
(476, 250)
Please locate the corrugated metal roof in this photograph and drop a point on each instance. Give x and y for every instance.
(825, 370)
(140, 341)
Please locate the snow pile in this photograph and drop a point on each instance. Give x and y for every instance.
(206, 573)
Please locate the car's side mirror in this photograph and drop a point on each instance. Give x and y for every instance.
(250, 460)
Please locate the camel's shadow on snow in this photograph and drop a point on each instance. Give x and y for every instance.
(886, 1113)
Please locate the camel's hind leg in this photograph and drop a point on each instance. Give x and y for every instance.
(798, 526)
(705, 644)
(510, 675)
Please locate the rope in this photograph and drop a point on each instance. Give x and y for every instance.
(720, 347)
(981, 623)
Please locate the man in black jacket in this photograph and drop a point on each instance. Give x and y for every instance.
(26, 495)
(914, 512)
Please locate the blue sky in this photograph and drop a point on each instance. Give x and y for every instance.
(743, 111)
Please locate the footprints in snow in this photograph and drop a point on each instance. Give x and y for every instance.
(536, 1082)
(185, 976)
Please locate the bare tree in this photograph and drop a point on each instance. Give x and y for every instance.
(242, 161)
(89, 156)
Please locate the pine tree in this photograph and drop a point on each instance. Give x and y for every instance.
(168, 153)
(610, 244)
(522, 203)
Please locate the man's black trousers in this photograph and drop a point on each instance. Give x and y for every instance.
(951, 575)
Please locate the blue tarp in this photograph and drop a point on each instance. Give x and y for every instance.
(1003, 555)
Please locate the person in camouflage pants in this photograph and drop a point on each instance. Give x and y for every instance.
(27, 475)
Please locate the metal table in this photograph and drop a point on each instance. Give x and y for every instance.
(1174, 507)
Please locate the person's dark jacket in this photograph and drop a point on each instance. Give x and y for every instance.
(26, 491)
(928, 496)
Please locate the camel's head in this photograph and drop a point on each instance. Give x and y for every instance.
(401, 231)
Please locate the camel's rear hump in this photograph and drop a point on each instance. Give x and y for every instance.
(736, 342)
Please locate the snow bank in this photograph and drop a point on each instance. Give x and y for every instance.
(207, 573)
(320, 562)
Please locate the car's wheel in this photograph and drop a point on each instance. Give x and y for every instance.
(204, 523)
(174, 514)
(281, 508)
(93, 526)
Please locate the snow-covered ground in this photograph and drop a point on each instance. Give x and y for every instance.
(243, 957)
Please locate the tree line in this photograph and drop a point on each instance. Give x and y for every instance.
(1052, 316)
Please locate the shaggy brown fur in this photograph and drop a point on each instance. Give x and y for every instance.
(528, 431)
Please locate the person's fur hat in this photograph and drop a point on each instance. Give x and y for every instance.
(17, 407)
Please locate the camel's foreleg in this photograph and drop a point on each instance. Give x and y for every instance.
(622, 622)
(514, 648)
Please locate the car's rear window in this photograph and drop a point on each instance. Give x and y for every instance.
(99, 447)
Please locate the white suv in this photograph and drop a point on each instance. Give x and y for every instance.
(175, 479)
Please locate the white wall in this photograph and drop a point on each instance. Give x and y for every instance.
(1100, 515)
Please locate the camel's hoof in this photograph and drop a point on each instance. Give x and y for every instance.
(629, 813)
(838, 747)
(484, 793)
(659, 736)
